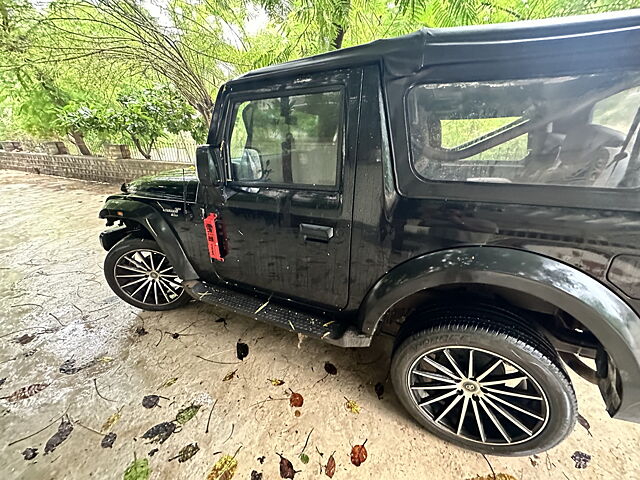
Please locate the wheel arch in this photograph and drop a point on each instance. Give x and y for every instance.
(151, 221)
(614, 323)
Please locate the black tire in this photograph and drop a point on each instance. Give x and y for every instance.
(550, 401)
(158, 291)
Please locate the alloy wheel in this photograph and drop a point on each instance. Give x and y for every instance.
(146, 276)
(478, 395)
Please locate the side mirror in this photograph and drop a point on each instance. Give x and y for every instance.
(207, 165)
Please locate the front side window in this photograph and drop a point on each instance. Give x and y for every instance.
(576, 131)
(290, 139)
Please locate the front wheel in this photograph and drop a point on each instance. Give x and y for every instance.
(139, 273)
(484, 380)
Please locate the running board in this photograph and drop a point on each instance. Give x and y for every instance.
(258, 308)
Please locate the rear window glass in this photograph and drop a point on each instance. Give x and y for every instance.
(577, 131)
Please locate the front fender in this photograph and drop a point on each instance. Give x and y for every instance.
(604, 313)
(158, 227)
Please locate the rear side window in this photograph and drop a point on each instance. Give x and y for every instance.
(576, 131)
(291, 140)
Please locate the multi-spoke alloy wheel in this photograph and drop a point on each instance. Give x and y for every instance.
(484, 379)
(478, 395)
(141, 274)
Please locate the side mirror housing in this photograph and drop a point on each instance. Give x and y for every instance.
(207, 165)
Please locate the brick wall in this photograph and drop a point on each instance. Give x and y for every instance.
(84, 167)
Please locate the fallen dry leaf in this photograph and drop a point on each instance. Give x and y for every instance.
(330, 368)
(242, 350)
(105, 359)
(286, 468)
(497, 476)
(30, 453)
(64, 430)
(110, 422)
(150, 401)
(276, 382)
(296, 400)
(108, 439)
(256, 475)
(169, 382)
(379, 389)
(24, 339)
(187, 452)
(224, 469)
(138, 470)
(187, 414)
(582, 459)
(330, 468)
(2, 380)
(583, 421)
(352, 406)
(159, 433)
(358, 454)
(26, 392)
(229, 376)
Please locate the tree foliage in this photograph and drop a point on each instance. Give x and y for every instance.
(142, 68)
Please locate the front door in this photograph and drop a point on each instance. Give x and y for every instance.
(286, 211)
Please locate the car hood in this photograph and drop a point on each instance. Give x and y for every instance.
(172, 184)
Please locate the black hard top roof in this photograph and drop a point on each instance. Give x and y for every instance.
(408, 54)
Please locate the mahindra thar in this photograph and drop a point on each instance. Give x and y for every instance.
(473, 192)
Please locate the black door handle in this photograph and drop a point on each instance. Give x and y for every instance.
(317, 233)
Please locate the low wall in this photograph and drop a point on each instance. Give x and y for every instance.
(84, 167)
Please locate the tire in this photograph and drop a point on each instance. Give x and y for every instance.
(527, 367)
(130, 270)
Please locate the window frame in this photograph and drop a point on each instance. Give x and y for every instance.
(235, 99)
(519, 126)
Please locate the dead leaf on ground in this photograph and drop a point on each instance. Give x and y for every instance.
(24, 339)
(330, 368)
(242, 350)
(229, 376)
(152, 452)
(224, 469)
(150, 401)
(187, 414)
(169, 382)
(159, 433)
(534, 460)
(330, 468)
(2, 380)
(256, 475)
(26, 392)
(64, 430)
(261, 459)
(30, 453)
(286, 468)
(358, 454)
(276, 382)
(140, 331)
(138, 470)
(352, 406)
(108, 439)
(379, 389)
(296, 400)
(582, 459)
(69, 367)
(186, 452)
(583, 421)
(106, 426)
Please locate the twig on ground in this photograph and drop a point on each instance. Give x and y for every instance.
(269, 399)
(233, 425)
(215, 361)
(57, 319)
(95, 383)
(41, 430)
(161, 336)
(27, 305)
(210, 413)
(490, 466)
(89, 428)
(306, 442)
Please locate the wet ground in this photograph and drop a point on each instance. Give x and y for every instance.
(93, 359)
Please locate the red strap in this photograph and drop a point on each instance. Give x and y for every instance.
(212, 237)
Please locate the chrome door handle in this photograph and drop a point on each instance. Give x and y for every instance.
(317, 233)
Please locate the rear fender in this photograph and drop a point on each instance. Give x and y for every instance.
(150, 219)
(604, 313)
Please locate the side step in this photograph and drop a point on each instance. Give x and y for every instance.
(297, 321)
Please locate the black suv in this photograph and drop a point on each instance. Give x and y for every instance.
(471, 191)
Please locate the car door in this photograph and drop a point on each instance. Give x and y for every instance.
(287, 206)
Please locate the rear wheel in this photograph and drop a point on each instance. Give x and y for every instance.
(139, 273)
(483, 379)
